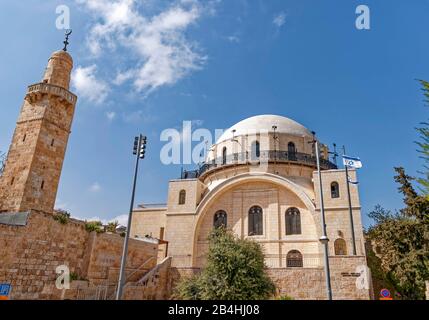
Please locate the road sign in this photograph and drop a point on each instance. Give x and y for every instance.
(385, 294)
(5, 289)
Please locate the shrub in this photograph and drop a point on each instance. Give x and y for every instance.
(62, 216)
(235, 270)
(96, 226)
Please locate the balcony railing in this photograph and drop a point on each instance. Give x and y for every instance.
(52, 89)
(270, 156)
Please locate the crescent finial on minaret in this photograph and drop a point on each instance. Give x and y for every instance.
(66, 41)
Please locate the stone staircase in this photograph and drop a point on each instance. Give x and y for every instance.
(153, 285)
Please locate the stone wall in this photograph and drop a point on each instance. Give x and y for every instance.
(309, 283)
(105, 258)
(30, 254)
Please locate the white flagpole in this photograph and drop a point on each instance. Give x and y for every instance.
(352, 228)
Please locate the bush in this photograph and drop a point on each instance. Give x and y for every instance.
(62, 216)
(111, 226)
(235, 270)
(96, 226)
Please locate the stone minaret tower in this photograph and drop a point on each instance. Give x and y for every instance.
(36, 154)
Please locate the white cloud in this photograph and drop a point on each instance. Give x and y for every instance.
(279, 19)
(234, 39)
(122, 219)
(111, 115)
(88, 86)
(164, 54)
(95, 187)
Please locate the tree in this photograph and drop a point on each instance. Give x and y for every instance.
(404, 240)
(423, 144)
(235, 270)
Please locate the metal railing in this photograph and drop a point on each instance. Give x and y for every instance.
(52, 89)
(243, 158)
(282, 261)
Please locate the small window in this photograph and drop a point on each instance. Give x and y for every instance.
(291, 150)
(255, 221)
(52, 142)
(24, 137)
(220, 219)
(256, 150)
(182, 197)
(293, 221)
(12, 181)
(294, 259)
(340, 247)
(42, 185)
(335, 190)
(224, 150)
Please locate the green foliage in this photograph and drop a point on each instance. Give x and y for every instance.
(74, 276)
(423, 145)
(404, 239)
(380, 278)
(111, 226)
(235, 270)
(96, 226)
(62, 216)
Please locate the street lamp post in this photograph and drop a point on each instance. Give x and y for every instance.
(323, 239)
(139, 151)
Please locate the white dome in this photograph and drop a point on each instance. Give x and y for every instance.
(265, 122)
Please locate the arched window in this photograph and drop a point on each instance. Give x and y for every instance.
(340, 247)
(293, 221)
(255, 221)
(224, 155)
(335, 190)
(294, 259)
(182, 197)
(291, 150)
(220, 219)
(256, 150)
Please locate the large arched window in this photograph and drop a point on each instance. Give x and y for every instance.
(291, 150)
(220, 219)
(182, 197)
(255, 221)
(224, 155)
(335, 190)
(294, 259)
(293, 221)
(256, 150)
(340, 247)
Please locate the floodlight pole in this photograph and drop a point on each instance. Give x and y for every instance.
(323, 239)
(122, 275)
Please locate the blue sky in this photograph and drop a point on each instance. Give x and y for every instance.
(230, 60)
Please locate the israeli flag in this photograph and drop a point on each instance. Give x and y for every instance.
(353, 182)
(352, 162)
